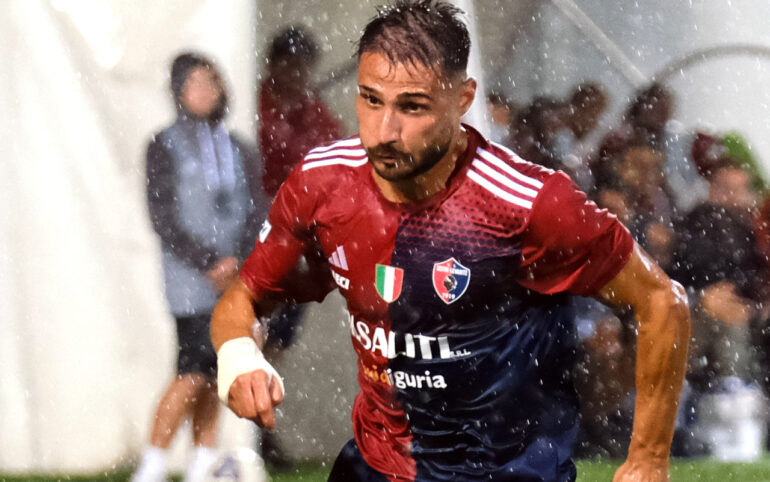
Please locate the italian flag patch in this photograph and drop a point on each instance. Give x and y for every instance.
(388, 281)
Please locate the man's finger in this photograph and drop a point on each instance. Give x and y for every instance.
(240, 398)
(262, 400)
(276, 391)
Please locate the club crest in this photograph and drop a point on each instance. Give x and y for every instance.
(450, 280)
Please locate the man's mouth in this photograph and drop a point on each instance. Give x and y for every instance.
(386, 161)
(389, 160)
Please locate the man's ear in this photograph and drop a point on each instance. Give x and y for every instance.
(467, 94)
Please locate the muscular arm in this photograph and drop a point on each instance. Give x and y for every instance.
(663, 321)
(234, 315)
(253, 393)
(571, 245)
(247, 382)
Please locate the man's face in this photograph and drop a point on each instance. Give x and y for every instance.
(408, 115)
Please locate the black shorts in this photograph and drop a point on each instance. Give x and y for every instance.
(350, 466)
(196, 353)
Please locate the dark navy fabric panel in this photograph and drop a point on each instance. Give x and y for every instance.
(508, 374)
(350, 466)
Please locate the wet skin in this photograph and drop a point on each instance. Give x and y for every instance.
(409, 122)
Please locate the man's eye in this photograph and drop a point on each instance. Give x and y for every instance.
(414, 107)
(370, 99)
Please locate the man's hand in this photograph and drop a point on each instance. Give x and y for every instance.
(642, 471)
(253, 395)
(223, 273)
(248, 384)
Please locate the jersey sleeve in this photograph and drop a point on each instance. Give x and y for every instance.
(569, 244)
(285, 262)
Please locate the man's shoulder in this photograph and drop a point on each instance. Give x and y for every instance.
(332, 165)
(335, 155)
(503, 173)
(522, 166)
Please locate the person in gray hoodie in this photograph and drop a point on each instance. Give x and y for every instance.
(201, 206)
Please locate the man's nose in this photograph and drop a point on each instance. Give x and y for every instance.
(390, 127)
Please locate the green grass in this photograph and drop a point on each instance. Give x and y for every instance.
(588, 471)
(703, 470)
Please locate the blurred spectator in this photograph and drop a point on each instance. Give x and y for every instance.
(534, 129)
(642, 180)
(554, 133)
(717, 242)
(635, 195)
(292, 117)
(501, 112)
(580, 117)
(199, 203)
(631, 162)
(643, 125)
(737, 149)
(604, 379)
(586, 106)
(648, 123)
(717, 259)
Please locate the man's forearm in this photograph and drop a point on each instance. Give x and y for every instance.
(664, 333)
(234, 315)
(240, 357)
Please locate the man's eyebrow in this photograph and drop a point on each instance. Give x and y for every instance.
(415, 96)
(402, 96)
(368, 89)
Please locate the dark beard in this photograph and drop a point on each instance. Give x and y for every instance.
(407, 166)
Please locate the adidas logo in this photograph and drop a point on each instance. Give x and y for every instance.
(337, 259)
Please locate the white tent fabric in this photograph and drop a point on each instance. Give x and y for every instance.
(87, 340)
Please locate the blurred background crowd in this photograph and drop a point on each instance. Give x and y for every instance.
(698, 202)
(658, 111)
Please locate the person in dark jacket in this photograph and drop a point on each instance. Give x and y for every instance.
(202, 208)
(717, 260)
(716, 256)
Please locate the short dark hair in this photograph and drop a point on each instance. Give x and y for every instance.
(650, 96)
(180, 69)
(419, 32)
(294, 41)
(587, 93)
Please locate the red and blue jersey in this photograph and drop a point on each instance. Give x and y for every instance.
(459, 306)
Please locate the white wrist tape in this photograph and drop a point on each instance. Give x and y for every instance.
(236, 357)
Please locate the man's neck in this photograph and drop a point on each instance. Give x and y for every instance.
(425, 185)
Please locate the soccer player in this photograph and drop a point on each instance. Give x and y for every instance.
(457, 260)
